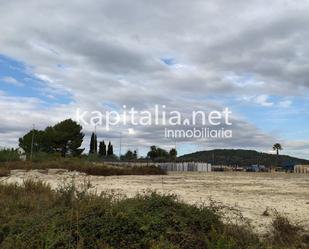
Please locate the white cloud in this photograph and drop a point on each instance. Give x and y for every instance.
(263, 100)
(44, 78)
(111, 51)
(285, 103)
(12, 81)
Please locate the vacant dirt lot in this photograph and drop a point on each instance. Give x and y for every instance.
(252, 193)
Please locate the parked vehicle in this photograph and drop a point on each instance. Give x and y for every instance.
(256, 168)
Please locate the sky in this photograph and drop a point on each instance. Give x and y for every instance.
(250, 56)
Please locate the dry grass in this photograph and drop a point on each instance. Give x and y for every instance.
(82, 166)
(32, 215)
(4, 172)
(286, 234)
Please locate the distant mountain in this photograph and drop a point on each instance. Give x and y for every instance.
(241, 158)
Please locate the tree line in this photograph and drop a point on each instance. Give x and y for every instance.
(157, 154)
(66, 138)
(103, 151)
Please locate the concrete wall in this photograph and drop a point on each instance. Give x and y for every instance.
(301, 169)
(170, 166)
(185, 166)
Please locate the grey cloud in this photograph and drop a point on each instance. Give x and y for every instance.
(112, 50)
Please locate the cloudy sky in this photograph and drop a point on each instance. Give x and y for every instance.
(251, 56)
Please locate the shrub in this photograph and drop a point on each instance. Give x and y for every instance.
(4, 172)
(34, 216)
(284, 233)
(8, 155)
(73, 164)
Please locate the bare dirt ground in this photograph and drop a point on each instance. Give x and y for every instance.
(251, 193)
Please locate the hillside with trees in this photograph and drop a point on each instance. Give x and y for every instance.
(241, 158)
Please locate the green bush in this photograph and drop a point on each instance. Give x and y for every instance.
(43, 156)
(8, 155)
(82, 165)
(34, 216)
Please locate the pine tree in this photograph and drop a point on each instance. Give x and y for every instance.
(135, 154)
(65, 137)
(173, 154)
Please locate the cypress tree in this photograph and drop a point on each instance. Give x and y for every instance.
(102, 149)
(93, 144)
(110, 150)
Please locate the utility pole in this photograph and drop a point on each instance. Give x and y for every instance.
(94, 140)
(32, 141)
(136, 154)
(120, 142)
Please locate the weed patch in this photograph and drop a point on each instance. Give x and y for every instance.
(32, 215)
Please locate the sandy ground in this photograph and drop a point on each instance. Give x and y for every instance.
(251, 193)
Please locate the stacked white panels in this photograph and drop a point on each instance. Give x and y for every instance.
(199, 167)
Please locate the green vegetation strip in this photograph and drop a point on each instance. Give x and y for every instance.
(80, 166)
(34, 216)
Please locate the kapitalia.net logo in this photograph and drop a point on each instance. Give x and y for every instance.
(195, 124)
